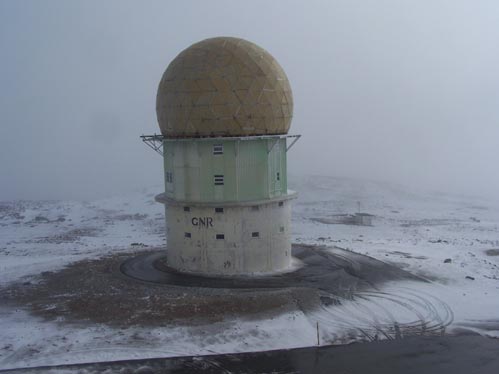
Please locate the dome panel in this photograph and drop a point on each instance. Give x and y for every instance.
(224, 87)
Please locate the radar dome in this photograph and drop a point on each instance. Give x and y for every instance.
(224, 87)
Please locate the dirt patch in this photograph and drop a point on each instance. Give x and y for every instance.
(400, 265)
(69, 236)
(95, 290)
(345, 219)
(492, 252)
(130, 217)
(428, 222)
(407, 255)
(432, 277)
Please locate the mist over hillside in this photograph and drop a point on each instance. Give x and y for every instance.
(385, 90)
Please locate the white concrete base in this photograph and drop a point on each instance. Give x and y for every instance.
(256, 238)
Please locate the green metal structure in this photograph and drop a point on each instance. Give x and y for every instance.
(218, 169)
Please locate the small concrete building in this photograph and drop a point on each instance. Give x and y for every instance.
(224, 107)
(363, 219)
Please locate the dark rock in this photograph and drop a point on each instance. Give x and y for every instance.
(492, 252)
(470, 278)
(41, 219)
(438, 241)
(447, 261)
(138, 245)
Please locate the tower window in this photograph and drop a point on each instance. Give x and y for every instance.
(187, 234)
(187, 209)
(218, 149)
(254, 207)
(281, 229)
(219, 210)
(278, 176)
(255, 234)
(218, 179)
(220, 236)
(281, 203)
(169, 177)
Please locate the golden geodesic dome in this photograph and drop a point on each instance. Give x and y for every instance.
(224, 87)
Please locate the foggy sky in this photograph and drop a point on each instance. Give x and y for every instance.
(403, 91)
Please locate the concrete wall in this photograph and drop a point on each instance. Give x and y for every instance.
(239, 252)
(253, 169)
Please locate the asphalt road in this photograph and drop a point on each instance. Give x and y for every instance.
(333, 270)
(414, 355)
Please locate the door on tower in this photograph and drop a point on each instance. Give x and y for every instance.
(275, 169)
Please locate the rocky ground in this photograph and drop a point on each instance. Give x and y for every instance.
(96, 291)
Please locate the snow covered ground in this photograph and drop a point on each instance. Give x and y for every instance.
(451, 240)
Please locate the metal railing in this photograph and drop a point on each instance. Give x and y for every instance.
(156, 141)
